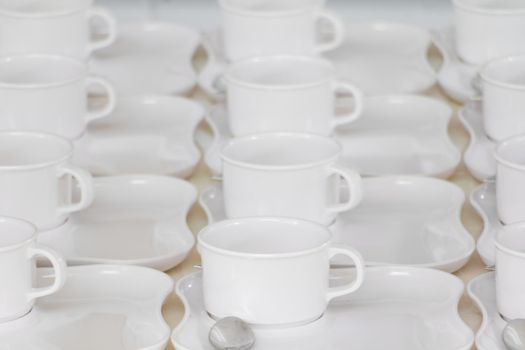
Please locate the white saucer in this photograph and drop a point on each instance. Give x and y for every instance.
(145, 134)
(397, 308)
(483, 199)
(379, 57)
(135, 219)
(101, 307)
(412, 221)
(455, 77)
(479, 156)
(149, 58)
(397, 135)
(482, 291)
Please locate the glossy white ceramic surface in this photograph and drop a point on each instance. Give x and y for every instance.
(384, 227)
(479, 156)
(510, 262)
(455, 76)
(36, 178)
(151, 134)
(503, 86)
(287, 174)
(134, 219)
(378, 57)
(483, 199)
(49, 93)
(277, 27)
(404, 134)
(287, 93)
(53, 27)
(18, 249)
(149, 58)
(488, 29)
(100, 307)
(390, 310)
(510, 179)
(253, 270)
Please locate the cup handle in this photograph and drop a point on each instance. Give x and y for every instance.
(110, 21)
(111, 98)
(358, 105)
(85, 181)
(60, 267)
(359, 264)
(338, 33)
(353, 180)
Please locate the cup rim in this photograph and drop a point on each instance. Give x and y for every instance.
(312, 59)
(504, 143)
(38, 165)
(21, 243)
(48, 14)
(247, 165)
(508, 58)
(460, 4)
(254, 220)
(265, 14)
(5, 85)
(509, 229)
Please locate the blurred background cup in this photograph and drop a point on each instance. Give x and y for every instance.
(503, 97)
(18, 252)
(60, 27)
(510, 179)
(49, 93)
(485, 30)
(36, 178)
(271, 271)
(287, 93)
(268, 27)
(286, 174)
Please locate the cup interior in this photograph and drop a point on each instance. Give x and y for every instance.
(46, 7)
(270, 6)
(509, 71)
(39, 71)
(512, 151)
(492, 4)
(14, 232)
(264, 236)
(281, 150)
(280, 72)
(21, 149)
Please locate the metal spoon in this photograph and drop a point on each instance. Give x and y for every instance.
(231, 333)
(513, 335)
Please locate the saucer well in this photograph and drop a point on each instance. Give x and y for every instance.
(397, 135)
(134, 220)
(149, 58)
(149, 134)
(479, 156)
(402, 220)
(482, 290)
(455, 77)
(397, 308)
(483, 199)
(101, 307)
(379, 57)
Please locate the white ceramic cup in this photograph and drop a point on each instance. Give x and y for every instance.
(269, 27)
(510, 179)
(510, 264)
(18, 250)
(36, 178)
(286, 93)
(271, 271)
(60, 27)
(286, 175)
(49, 93)
(489, 29)
(503, 97)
